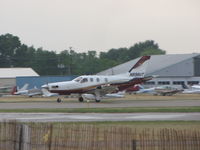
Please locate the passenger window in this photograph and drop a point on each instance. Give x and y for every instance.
(98, 79)
(106, 79)
(84, 80)
(91, 79)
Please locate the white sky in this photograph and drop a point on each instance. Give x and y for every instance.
(103, 24)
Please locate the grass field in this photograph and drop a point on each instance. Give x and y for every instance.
(107, 110)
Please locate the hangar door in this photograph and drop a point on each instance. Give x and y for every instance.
(197, 66)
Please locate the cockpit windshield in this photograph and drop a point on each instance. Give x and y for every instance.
(78, 79)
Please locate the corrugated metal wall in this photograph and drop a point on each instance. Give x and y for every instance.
(197, 66)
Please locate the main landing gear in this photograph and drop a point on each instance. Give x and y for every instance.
(97, 100)
(80, 99)
(59, 100)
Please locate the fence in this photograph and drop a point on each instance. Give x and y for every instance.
(44, 136)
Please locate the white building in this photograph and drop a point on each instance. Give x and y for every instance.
(8, 75)
(172, 69)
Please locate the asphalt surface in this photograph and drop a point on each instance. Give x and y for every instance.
(84, 117)
(103, 104)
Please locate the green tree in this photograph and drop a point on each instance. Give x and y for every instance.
(8, 46)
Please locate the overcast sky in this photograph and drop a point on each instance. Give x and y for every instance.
(103, 24)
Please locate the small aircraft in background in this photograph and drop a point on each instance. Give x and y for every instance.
(20, 91)
(160, 90)
(196, 86)
(195, 89)
(6, 90)
(28, 92)
(99, 86)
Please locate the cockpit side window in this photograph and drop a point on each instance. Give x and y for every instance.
(78, 79)
(84, 80)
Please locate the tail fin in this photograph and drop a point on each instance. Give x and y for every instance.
(24, 87)
(140, 86)
(14, 89)
(184, 86)
(140, 67)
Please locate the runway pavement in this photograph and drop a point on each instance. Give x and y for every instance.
(84, 117)
(103, 104)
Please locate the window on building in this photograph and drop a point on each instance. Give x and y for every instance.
(192, 82)
(163, 82)
(150, 83)
(178, 82)
(98, 79)
(91, 79)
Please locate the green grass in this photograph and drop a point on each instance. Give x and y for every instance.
(138, 125)
(108, 110)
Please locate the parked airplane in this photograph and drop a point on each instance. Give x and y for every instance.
(20, 91)
(29, 92)
(6, 90)
(162, 90)
(197, 86)
(100, 85)
(191, 90)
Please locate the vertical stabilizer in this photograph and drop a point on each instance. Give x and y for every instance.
(140, 67)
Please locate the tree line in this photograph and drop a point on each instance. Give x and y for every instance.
(68, 62)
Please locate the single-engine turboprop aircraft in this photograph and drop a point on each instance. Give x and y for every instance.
(98, 86)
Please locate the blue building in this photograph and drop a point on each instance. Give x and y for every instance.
(41, 80)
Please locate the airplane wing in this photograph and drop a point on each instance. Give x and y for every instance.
(113, 88)
(103, 90)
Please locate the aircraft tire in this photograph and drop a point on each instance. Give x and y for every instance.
(59, 100)
(80, 99)
(97, 100)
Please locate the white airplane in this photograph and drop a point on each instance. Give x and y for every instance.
(195, 89)
(162, 90)
(197, 86)
(100, 85)
(20, 91)
(147, 90)
(29, 92)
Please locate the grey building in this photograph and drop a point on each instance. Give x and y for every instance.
(172, 69)
(8, 75)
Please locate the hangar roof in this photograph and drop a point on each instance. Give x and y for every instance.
(156, 63)
(16, 72)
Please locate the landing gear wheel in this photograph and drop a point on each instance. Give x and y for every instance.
(80, 99)
(97, 100)
(59, 100)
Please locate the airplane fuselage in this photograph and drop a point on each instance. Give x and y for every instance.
(85, 83)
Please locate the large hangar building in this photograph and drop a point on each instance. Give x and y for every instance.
(172, 69)
(8, 75)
